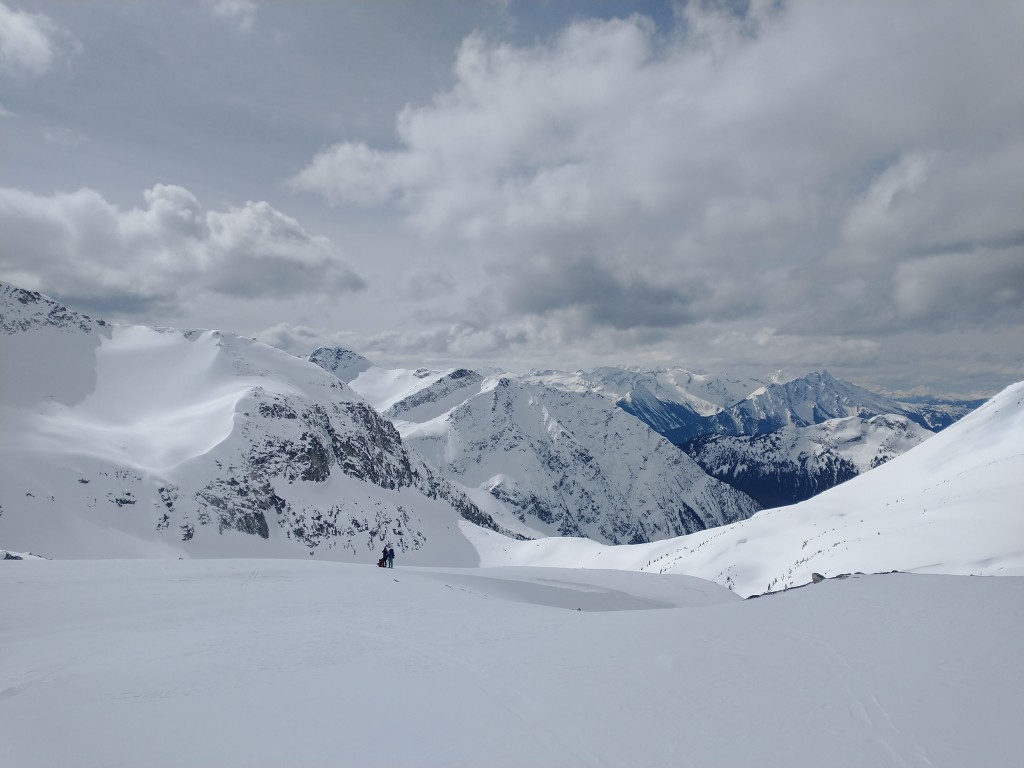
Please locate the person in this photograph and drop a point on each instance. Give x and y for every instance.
(391, 556)
(383, 557)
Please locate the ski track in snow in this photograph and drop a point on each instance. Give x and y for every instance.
(448, 667)
(862, 703)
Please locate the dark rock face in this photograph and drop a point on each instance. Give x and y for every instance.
(440, 389)
(292, 440)
(240, 506)
(772, 478)
(573, 464)
(343, 363)
(39, 311)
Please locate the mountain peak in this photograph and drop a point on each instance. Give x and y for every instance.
(343, 363)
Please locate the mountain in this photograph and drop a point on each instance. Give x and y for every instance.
(950, 505)
(795, 463)
(665, 399)
(810, 399)
(724, 423)
(557, 461)
(683, 405)
(132, 441)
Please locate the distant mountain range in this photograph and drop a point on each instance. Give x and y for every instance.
(949, 505)
(131, 441)
(682, 405)
(780, 440)
(557, 461)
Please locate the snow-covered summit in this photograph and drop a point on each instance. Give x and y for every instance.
(554, 459)
(343, 363)
(131, 441)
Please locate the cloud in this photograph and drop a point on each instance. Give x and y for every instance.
(821, 168)
(64, 137)
(241, 13)
(173, 249)
(30, 43)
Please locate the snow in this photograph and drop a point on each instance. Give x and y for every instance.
(277, 662)
(549, 459)
(640, 655)
(950, 505)
(127, 441)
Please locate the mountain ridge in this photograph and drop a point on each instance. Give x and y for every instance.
(198, 442)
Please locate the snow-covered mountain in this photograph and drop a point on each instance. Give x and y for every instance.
(729, 425)
(795, 463)
(134, 441)
(949, 505)
(701, 392)
(683, 405)
(813, 399)
(560, 461)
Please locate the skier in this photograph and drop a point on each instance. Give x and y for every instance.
(383, 557)
(391, 556)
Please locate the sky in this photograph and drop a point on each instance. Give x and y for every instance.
(736, 187)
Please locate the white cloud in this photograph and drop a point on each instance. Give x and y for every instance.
(79, 245)
(241, 13)
(30, 43)
(799, 166)
(64, 137)
(301, 340)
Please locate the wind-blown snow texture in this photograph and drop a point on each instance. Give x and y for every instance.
(130, 441)
(562, 462)
(298, 663)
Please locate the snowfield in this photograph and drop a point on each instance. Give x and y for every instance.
(295, 663)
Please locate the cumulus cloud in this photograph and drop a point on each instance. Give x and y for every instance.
(822, 168)
(80, 245)
(301, 340)
(30, 43)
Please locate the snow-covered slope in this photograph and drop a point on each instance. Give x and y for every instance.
(793, 464)
(950, 505)
(562, 462)
(131, 441)
(296, 663)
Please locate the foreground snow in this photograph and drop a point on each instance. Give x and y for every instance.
(274, 662)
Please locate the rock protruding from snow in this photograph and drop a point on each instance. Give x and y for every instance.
(546, 458)
(133, 441)
(27, 310)
(343, 363)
